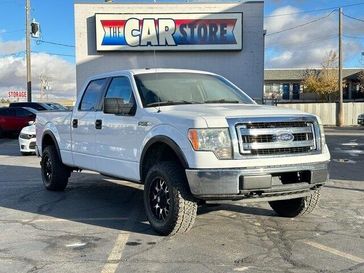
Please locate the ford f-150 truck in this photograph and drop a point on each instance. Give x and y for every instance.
(189, 137)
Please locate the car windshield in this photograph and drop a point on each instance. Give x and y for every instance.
(158, 89)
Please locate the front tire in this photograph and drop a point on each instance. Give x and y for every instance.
(54, 173)
(169, 205)
(296, 207)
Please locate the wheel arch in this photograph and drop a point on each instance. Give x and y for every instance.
(159, 144)
(48, 138)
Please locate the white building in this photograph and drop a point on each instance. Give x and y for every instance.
(225, 38)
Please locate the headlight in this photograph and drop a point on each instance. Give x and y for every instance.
(26, 136)
(214, 140)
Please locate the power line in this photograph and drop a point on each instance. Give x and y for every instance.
(353, 37)
(302, 25)
(314, 10)
(354, 18)
(308, 42)
(12, 31)
(53, 43)
(56, 54)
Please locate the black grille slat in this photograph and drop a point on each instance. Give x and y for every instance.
(269, 138)
(261, 125)
(279, 151)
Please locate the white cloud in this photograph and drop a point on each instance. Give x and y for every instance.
(60, 74)
(306, 46)
(11, 47)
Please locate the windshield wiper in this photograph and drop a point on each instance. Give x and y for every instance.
(169, 102)
(222, 101)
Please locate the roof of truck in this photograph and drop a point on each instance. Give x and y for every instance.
(145, 71)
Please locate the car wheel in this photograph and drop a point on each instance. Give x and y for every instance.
(1, 133)
(54, 173)
(169, 205)
(296, 207)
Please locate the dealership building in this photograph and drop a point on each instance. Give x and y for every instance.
(224, 38)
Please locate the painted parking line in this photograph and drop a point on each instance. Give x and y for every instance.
(114, 259)
(335, 252)
(116, 253)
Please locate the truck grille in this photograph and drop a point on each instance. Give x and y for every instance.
(276, 138)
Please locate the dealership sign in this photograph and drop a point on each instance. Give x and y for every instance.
(220, 31)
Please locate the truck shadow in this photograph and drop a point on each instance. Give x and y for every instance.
(89, 198)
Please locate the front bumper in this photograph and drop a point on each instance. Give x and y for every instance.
(255, 183)
(27, 145)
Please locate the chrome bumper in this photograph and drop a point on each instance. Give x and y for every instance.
(241, 183)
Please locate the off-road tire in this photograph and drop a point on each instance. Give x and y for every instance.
(182, 205)
(296, 207)
(54, 173)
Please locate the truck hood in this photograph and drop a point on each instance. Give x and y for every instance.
(216, 114)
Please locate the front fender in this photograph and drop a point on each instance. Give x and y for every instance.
(172, 133)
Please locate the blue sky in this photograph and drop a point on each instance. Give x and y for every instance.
(302, 47)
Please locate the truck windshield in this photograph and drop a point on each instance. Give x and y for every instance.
(158, 89)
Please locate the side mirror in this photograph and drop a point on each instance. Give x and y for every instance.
(31, 122)
(117, 106)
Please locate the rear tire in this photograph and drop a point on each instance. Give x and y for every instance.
(169, 205)
(296, 207)
(54, 173)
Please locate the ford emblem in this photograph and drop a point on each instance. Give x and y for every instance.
(284, 137)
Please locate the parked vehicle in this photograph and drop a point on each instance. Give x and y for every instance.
(189, 136)
(27, 139)
(361, 119)
(13, 119)
(39, 106)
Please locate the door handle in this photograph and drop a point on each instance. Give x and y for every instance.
(98, 124)
(75, 123)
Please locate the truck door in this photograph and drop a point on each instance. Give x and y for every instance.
(118, 138)
(83, 128)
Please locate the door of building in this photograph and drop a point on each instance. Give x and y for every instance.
(296, 91)
(285, 91)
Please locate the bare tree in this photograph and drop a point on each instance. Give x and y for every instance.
(325, 81)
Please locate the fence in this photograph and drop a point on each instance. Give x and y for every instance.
(327, 111)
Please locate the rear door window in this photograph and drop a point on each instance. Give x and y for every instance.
(92, 96)
(20, 112)
(4, 112)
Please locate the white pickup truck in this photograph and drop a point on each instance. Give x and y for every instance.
(188, 136)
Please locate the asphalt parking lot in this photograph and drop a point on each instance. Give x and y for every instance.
(98, 224)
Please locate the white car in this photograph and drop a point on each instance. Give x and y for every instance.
(27, 140)
(361, 119)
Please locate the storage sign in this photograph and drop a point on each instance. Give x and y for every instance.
(119, 32)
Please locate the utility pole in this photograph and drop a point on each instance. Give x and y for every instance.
(340, 116)
(28, 52)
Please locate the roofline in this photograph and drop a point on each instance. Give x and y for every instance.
(311, 68)
(171, 3)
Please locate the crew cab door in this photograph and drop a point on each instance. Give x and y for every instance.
(118, 137)
(83, 128)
